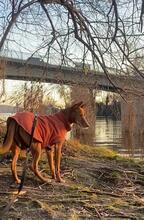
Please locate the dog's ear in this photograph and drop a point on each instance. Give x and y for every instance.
(83, 105)
(77, 105)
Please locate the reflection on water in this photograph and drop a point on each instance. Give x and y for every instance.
(109, 133)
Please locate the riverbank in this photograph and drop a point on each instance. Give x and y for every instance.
(99, 185)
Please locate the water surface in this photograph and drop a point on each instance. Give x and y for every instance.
(109, 133)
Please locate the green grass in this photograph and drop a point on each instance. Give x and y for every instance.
(76, 148)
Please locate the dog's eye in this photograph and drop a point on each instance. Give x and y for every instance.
(81, 114)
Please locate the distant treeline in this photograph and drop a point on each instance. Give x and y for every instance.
(109, 110)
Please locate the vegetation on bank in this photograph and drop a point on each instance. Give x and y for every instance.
(112, 110)
(99, 184)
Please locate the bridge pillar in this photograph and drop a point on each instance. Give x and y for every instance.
(132, 116)
(86, 95)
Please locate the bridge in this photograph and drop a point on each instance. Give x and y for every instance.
(34, 69)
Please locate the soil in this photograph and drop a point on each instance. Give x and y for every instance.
(98, 185)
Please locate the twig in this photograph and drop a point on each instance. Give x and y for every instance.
(101, 193)
(12, 193)
(123, 216)
(99, 215)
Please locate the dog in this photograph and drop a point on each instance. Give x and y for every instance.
(49, 134)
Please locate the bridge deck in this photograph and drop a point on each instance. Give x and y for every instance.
(37, 70)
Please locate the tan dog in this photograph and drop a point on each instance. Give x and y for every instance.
(18, 137)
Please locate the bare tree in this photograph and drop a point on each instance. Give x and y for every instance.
(28, 97)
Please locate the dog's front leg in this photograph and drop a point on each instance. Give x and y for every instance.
(58, 148)
(50, 156)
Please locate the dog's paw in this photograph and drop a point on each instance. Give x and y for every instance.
(53, 177)
(48, 181)
(18, 181)
(45, 180)
(15, 183)
(60, 180)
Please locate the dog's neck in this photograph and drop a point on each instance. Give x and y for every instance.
(64, 116)
(68, 115)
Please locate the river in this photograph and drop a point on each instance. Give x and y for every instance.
(108, 133)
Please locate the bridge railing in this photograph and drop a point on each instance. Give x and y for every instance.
(16, 54)
(37, 59)
(54, 59)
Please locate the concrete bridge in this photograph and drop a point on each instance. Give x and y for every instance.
(36, 70)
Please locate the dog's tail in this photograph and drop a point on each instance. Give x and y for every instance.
(5, 147)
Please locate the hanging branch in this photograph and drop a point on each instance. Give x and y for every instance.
(78, 19)
(14, 15)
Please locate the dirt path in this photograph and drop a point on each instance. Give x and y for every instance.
(96, 187)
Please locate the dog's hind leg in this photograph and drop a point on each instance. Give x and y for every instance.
(15, 151)
(36, 153)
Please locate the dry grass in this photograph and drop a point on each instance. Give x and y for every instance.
(99, 185)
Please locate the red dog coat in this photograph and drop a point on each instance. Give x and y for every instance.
(49, 130)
